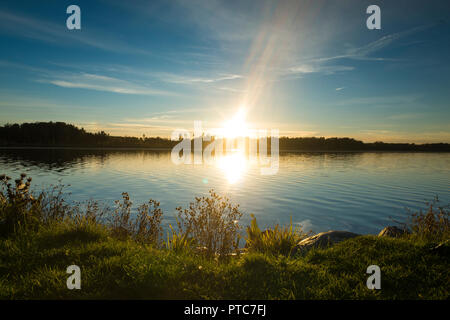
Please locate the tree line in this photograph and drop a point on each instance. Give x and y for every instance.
(60, 134)
(67, 135)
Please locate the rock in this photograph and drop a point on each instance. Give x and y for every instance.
(442, 249)
(323, 240)
(392, 231)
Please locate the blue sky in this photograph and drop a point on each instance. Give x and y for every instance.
(307, 68)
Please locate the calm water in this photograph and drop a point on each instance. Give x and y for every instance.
(358, 192)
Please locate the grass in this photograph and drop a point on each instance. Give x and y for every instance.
(34, 257)
(277, 240)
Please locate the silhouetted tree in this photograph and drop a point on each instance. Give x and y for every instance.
(63, 134)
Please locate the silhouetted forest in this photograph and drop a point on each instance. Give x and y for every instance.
(350, 144)
(60, 134)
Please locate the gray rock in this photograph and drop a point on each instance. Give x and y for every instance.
(392, 231)
(442, 249)
(323, 240)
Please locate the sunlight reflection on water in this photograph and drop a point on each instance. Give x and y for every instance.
(358, 192)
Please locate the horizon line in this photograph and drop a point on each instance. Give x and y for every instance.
(232, 138)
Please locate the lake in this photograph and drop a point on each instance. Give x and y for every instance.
(358, 192)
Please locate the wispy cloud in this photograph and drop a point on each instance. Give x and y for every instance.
(233, 90)
(172, 78)
(365, 52)
(124, 79)
(42, 30)
(317, 68)
(194, 78)
(381, 101)
(86, 80)
(298, 133)
(100, 83)
(405, 136)
(376, 131)
(407, 116)
(180, 111)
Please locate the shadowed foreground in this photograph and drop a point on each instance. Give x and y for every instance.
(34, 267)
(129, 260)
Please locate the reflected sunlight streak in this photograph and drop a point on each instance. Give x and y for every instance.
(233, 166)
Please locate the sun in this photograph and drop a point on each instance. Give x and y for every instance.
(236, 126)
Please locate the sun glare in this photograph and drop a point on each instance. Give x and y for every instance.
(236, 127)
(234, 163)
(233, 166)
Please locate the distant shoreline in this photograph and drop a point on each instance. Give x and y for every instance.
(169, 149)
(60, 135)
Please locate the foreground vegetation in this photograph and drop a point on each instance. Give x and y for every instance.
(123, 254)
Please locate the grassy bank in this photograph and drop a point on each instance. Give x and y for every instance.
(127, 257)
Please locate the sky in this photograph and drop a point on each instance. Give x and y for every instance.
(306, 68)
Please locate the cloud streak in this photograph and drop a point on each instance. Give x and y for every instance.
(58, 34)
(319, 64)
(316, 68)
(101, 83)
(172, 78)
(364, 52)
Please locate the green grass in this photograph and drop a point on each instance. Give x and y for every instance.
(33, 265)
(279, 240)
(127, 259)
